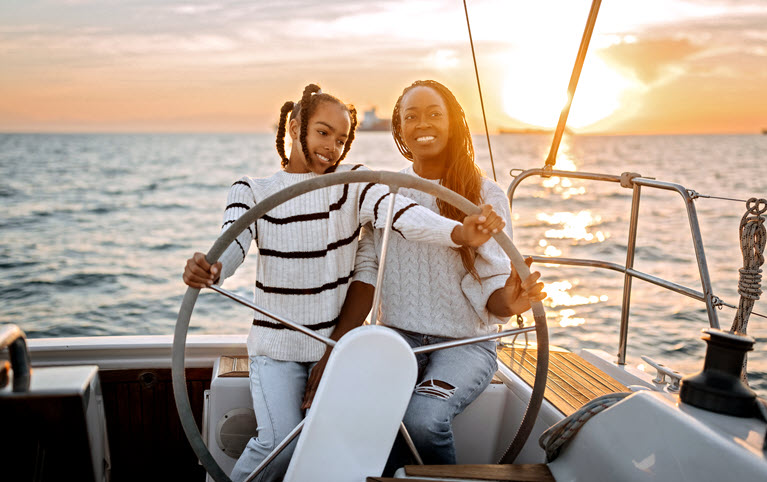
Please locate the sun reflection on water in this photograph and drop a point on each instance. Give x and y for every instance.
(558, 295)
(567, 319)
(574, 226)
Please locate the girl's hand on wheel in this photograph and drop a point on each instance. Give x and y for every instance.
(198, 273)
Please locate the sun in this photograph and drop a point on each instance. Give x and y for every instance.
(535, 89)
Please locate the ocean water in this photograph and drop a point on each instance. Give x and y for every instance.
(95, 231)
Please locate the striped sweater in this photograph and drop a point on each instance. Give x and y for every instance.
(307, 248)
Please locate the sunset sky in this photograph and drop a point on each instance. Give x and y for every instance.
(654, 66)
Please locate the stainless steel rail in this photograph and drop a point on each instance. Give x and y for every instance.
(635, 182)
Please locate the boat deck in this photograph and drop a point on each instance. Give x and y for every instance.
(572, 382)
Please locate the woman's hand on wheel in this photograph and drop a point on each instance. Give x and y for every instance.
(516, 295)
(478, 228)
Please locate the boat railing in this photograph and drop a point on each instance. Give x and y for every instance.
(635, 182)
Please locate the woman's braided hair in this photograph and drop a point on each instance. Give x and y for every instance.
(462, 175)
(303, 110)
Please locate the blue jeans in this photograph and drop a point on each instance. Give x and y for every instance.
(448, 381)
(277, 388)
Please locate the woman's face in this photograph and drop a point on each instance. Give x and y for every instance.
(326, 135)
(425, 124)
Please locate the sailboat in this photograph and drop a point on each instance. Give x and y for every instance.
(177, 407)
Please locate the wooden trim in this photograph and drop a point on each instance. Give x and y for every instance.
(572, 381)
(505, 472)
(233, 366)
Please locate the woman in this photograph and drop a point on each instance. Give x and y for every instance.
(434, 293)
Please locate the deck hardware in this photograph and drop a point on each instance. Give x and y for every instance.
(719, 387)
(13, 338)
(627, 179)
(662, 372)
(515, 172)
(693, 194)
(147, 379)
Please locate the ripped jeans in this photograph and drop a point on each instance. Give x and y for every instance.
(448, 381)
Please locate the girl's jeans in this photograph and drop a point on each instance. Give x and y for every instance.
(448, 381)
(277, 388)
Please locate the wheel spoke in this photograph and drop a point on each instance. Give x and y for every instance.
(467, 341)
(290, 324)
(384, 248)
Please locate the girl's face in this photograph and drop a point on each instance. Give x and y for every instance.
(425, 124)
(326, 135)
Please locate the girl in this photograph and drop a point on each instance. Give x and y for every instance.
(307, 250)
(436, 293)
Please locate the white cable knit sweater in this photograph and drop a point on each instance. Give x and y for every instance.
(307, 248)
(426, 289)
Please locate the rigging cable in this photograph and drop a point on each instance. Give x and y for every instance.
(580, 58)
(481, 102)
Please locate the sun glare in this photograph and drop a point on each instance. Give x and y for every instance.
(535, 90)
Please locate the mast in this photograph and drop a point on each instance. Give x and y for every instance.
(581, 57)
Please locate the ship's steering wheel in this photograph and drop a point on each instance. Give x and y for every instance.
(395, 181)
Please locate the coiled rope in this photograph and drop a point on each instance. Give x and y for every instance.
(753, 238)
(555, 437)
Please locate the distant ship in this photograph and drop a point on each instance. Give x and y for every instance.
(371, 122)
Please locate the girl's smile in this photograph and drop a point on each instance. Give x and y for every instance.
(326, 135)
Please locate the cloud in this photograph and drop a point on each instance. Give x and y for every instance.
(650, 61)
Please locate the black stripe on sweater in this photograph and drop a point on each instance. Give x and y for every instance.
(241, 248)
(375, 208)
(311, 216)
(311, 254)
(397, 216)
(232, 221)
(365, 193)
(279, 326)
(337, 205)
(304, 291)
(237, 205)
(242, 183)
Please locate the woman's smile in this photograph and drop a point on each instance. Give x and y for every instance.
(425, 124)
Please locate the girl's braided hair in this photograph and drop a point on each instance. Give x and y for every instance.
(303, 111)
(462, 175)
